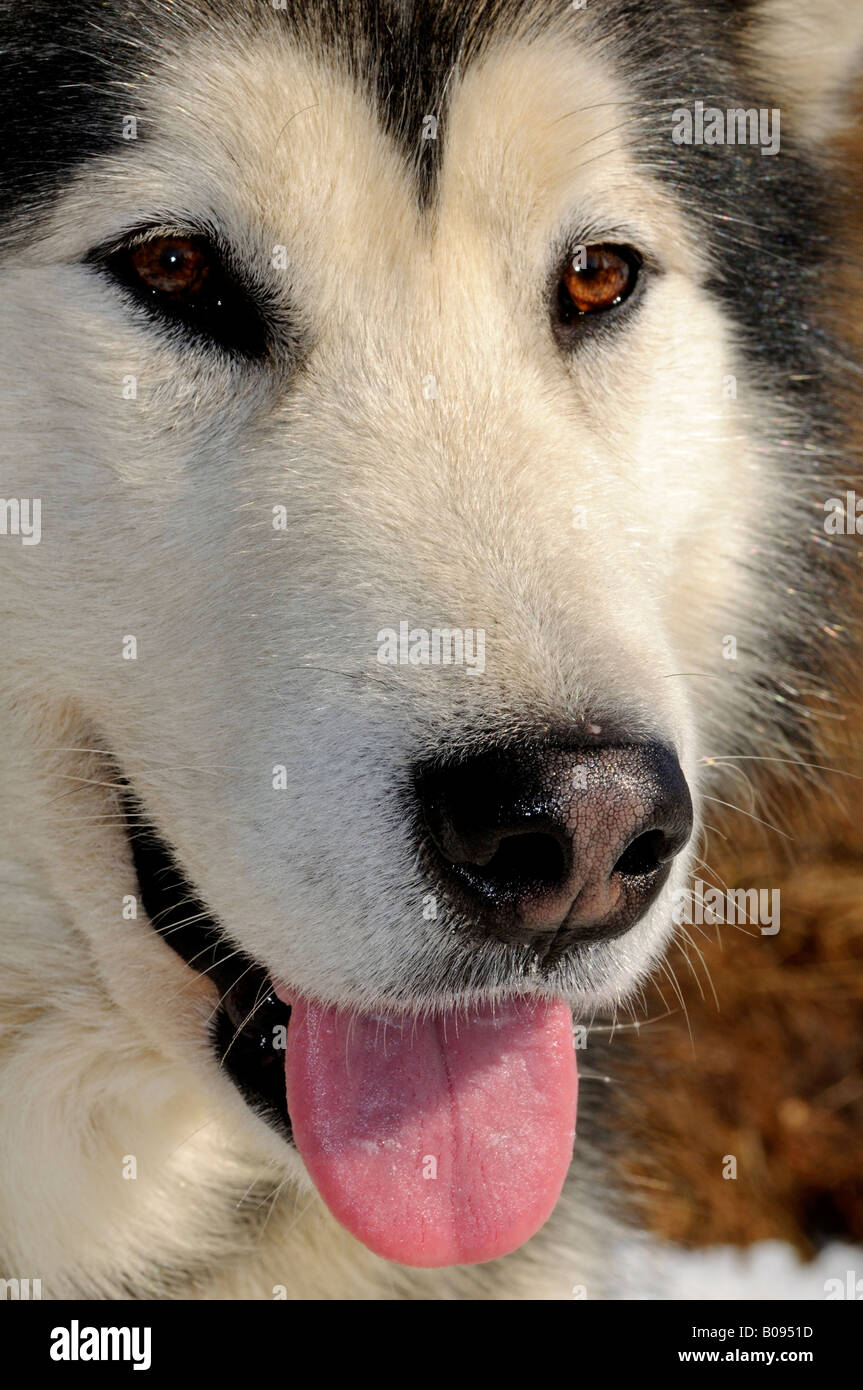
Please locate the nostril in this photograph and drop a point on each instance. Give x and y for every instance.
(525, 859)
(645, 855)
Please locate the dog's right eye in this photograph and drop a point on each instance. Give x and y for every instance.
(184, 282)
(172, 265)
(591, 287)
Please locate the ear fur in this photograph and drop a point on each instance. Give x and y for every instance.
(811, 55)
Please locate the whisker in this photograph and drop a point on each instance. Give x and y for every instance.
(750, 816)
(793, 762)
(249, 1016)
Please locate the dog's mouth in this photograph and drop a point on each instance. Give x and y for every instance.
(435, 1139)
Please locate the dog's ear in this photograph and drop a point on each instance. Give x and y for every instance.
(810, 55)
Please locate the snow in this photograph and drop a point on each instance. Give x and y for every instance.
(770, 1269)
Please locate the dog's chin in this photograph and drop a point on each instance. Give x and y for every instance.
(357, 1093)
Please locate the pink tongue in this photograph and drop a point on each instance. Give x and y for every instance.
(435, 1141)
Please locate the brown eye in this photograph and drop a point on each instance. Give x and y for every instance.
(186, 285)
(595, 279)
(171, 265)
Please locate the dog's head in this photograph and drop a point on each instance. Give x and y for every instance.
(411, 408)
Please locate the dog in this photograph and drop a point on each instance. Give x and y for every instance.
(417, 420)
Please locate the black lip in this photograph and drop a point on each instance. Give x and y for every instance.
(251, 1021)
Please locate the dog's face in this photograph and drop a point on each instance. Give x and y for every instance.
(294, 403)
(427, 440)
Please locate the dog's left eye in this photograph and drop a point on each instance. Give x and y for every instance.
(184, 282)
(596, 278)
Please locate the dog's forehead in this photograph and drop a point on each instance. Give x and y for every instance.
(75, 71)
(279, 143)
(533, 142)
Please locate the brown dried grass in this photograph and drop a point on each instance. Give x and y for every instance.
(773, 1074)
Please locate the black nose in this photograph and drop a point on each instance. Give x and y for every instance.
(556, 843)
